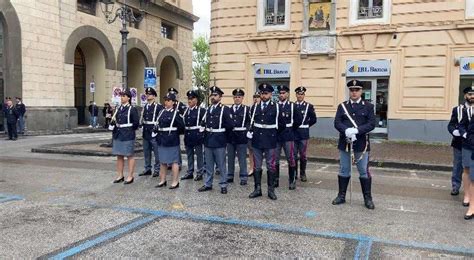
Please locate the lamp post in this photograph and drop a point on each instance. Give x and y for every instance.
(126, 14)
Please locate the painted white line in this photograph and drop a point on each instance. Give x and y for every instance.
(403, 210)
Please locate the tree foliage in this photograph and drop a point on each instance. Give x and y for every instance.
(201, 60)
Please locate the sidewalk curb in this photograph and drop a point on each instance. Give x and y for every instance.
(380, 164)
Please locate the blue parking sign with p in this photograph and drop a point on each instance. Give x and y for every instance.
(150, 77)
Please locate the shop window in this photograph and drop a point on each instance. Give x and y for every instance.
(273, 14)
(470, 9)
(87, 6)
(369, 12)
(167, 31)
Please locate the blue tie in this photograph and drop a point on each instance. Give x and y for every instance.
(264, 105)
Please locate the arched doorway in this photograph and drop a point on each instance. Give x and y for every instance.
(168, 75)
(80, 85)
(136, 67)
(89, 65)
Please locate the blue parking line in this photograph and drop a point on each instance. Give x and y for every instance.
(363, 247)
(364, 241)
(108, 236)
(6, 197)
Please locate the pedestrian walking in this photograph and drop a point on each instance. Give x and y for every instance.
(11, 115)
(354, 120)
(107, 113)
(21, 108)
(124, 122)
(94, 113)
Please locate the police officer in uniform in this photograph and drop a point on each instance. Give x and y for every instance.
(178, 104)
(456, 143)
(286, 136)
(263, 132)
(237, 139)
(168, 128)
(11, 116)
(256, 100)
(306, 119)
(149, 115)
(193, 138)
(216, 123)
(354, 120)
(466, 146)
(124, 123)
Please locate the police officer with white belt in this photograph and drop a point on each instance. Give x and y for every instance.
(149, 115)
(354, 120)
(263, 132)
(216, 123)
(237, 139)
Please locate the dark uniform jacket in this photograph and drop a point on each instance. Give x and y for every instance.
(21, 108)
(11, 114)
(192, 122)
(181, 107)
(150, 114)
(266, 123)
(216, 128)
(363, 115)
(454, 123)
(126, 123)
(290, 118)
(241, 122)
(306, 112)
(464, 125)
(94, 110)
(169, 129)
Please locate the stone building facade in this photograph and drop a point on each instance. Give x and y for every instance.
(414, 57)
(52, 50)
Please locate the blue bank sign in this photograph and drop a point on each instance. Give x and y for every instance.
(272, 71)
(367, 68)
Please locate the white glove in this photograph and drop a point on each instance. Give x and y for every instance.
(351, 131)
(456, 133)
(111, 127)
(201, 129)
(153, 134)
(353, 138)
(464, 135)
(249, 135)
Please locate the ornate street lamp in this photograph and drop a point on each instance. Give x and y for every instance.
(126, 14)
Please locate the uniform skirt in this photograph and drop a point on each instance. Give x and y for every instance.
(123, 148)
(168, 155)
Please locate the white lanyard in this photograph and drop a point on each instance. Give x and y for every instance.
(459, 109)
(348, 115)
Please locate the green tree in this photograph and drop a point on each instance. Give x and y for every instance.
(201, 60)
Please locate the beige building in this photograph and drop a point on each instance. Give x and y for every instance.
(414, 57)
(52, 50)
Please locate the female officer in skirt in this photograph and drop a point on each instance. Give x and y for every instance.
(124, 123)
(169, 126)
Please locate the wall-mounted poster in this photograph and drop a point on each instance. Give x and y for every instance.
(319, 15)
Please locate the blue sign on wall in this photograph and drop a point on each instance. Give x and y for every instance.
(150, 77)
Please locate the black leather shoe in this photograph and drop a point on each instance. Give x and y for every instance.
(303, 178)
(271, 195)
(468, 217)
(161, 185)
(339, 200)
(292, 186)
(465, 204)
(174, 187)
(454, 192)
(119, 180)
(218, 172)
(198, 177)
(187, 176)
(224, 190)
(128, 182)
(230, 180)
(156, 174)
(204, 188)
(243, 183)
(145, 173)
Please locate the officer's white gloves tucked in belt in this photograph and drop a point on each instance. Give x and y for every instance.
(456, 133)
(464, 135)
(202, 129)
(249, 135)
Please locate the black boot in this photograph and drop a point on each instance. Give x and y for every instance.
(366, 184)
(291, 177)
(303, 171)
(296, 169)
(277, 176)
(341, 196)
(257, 176)
(271, 185)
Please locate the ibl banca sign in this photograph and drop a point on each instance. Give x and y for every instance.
(367, 68)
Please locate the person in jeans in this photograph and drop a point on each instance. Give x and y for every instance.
(21, 108)
(94, 111)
